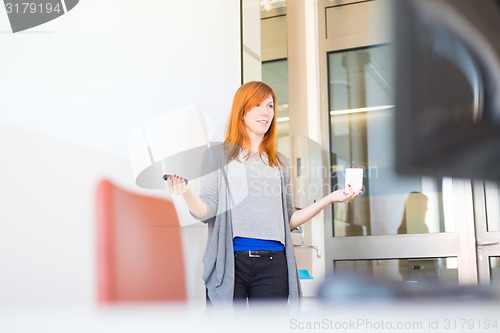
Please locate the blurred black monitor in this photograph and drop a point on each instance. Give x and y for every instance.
(448, 88)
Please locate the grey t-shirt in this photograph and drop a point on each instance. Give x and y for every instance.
(256, 189)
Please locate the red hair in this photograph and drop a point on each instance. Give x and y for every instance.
(247, 97)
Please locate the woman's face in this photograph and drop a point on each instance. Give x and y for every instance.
(258, 119)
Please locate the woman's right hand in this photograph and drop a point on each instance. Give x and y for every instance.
(177, 185)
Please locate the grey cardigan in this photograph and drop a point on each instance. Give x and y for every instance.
(218, 260)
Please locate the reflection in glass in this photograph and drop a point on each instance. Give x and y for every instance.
(495, 270)
(413, 221)
(429, 270)
(361, 99)
(492, 197)
(275, 74)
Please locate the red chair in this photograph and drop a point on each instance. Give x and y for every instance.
(139, 247)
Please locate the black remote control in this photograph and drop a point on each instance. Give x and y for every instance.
(166, 176)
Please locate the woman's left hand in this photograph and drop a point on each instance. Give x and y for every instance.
(341, 196)
(303, 215)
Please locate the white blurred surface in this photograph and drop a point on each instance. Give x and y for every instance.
(349, 317)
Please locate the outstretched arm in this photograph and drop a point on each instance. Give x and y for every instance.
(177, 185)
(303, 215)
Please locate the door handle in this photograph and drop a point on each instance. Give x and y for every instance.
(480, 243)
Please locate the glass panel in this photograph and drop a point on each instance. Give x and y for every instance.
(361, 132)
(492, 197)
(495, 270)
(275, 74)
(435, 270)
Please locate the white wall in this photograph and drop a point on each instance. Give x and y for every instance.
(72, 90)
(94, 74)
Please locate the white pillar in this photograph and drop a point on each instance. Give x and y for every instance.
(304, 101)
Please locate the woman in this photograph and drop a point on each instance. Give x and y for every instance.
(245, 200)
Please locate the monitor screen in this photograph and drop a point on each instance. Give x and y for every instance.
(448, 88)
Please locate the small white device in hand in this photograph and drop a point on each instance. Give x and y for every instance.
(353, 177)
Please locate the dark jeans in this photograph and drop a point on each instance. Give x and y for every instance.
(264, 277)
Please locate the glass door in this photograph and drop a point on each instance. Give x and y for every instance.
(414, 229)
(402, 228)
